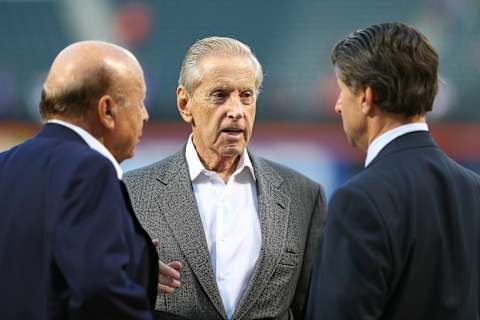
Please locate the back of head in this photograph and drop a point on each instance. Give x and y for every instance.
(82, 73)
(190, 74)
(396, 61)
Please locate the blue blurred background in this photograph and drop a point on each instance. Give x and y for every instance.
(295, 122)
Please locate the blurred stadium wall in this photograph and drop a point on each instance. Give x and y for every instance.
(295, 122)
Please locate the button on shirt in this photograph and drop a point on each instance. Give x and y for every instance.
(385, 138)
(230, 221)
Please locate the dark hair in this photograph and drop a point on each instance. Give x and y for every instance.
(396, 61)
(77, 99)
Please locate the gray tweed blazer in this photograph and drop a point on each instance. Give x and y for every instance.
(291, 209)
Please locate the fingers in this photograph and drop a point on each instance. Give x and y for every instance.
(169, 276)
(177, 265)
(169, 271)
(170, 282)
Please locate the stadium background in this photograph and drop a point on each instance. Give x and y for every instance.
(295, 122)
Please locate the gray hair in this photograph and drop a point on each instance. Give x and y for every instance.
(190, 74)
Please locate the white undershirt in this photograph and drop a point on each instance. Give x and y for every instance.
(230, 221)
(92, 143)
(385, 138)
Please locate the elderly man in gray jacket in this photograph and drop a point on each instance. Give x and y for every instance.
(236, 232)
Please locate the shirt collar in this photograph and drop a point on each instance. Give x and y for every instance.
(195, 166)
(385, 138)
(92, 143)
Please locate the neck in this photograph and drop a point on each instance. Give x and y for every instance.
(381, 124)
(224, 166)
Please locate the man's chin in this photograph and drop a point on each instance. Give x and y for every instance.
(352, 142)
(357, 144)
(125, 156)
(233, 150)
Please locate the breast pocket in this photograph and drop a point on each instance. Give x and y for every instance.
(282, 284)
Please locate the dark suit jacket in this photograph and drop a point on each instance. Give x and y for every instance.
(402, 239)
(70, 245)
(291, 210)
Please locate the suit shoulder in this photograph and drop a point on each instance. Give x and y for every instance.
(356, 187)
(373, 183)
(68, 160)
(289, 175)
(76, 153)
(84, 161)
(150, 169)
(57, 151)
(4, 155)
(293, 182)
(145, 178)
(465, 172)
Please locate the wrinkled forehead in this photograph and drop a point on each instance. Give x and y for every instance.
(224, 71)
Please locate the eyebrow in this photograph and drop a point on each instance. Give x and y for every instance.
(219, 86)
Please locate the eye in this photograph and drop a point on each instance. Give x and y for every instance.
(218, 96)
(247, 96)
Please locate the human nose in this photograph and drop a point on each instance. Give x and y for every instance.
(235, 108)
(146, 116)
(338, 106)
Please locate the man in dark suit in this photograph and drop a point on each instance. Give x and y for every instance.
(402, 238)
(70, 245)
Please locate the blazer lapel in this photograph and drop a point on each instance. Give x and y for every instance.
(273, 208)
(179, 207)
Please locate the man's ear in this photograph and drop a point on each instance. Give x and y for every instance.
(183, 105)
(106, 111)
(367, 101)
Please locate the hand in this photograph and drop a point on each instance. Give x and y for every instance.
(168, 275)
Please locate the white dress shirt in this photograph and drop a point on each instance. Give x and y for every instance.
(230, 221)
(92, 143)
(385, 138)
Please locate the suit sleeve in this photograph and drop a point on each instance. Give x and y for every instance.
(91, 248)
(317, 218)
(350, 279)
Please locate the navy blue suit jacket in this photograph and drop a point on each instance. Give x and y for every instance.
(70, 244)
(402, 239)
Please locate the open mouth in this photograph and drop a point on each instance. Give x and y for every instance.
(233, 132)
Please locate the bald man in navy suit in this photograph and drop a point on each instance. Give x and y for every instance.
(70, 245)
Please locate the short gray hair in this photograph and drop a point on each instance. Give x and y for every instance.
(190, 74)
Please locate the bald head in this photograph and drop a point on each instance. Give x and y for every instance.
(81, 74)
